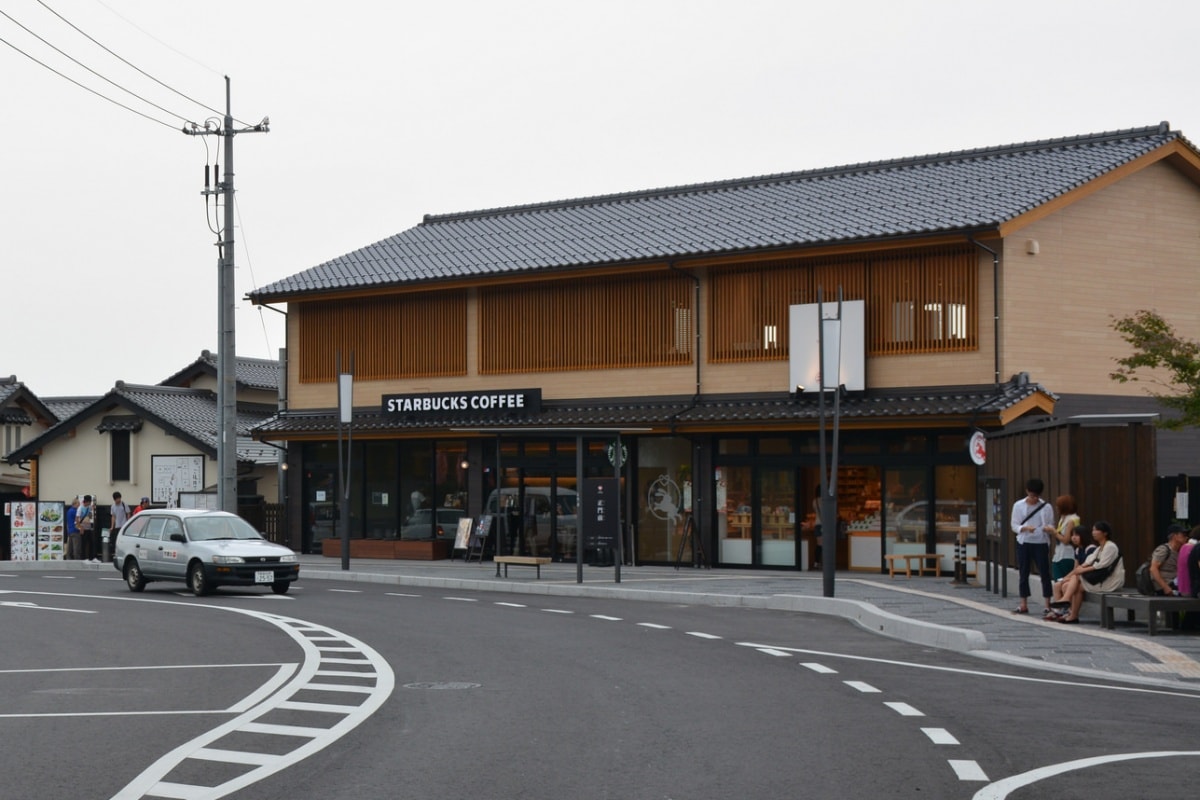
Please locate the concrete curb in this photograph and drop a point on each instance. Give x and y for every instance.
(864, 614)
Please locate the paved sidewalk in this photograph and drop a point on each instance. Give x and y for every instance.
(924, 610)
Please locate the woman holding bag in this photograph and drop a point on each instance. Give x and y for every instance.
(1102, 571)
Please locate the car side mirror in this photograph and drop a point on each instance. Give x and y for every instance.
(177, 537)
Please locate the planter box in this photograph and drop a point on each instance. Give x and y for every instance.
(388, 549)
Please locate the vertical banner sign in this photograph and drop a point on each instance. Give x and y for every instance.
(600, 523)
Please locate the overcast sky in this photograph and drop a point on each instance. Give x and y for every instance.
(383, 112)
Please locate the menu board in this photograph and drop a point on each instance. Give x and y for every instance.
(24, 531)
(51, 531)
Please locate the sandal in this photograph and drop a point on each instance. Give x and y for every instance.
(1019, 610)
(1069, 620)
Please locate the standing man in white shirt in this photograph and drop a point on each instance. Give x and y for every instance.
(1033, 523)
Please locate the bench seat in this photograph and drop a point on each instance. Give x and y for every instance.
(893, 560)
(524, 561)
(1149, 606)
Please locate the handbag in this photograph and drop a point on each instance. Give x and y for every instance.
(1099, 574)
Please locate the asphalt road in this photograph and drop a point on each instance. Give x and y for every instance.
(433, 694)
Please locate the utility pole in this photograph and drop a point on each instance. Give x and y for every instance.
(227, 353)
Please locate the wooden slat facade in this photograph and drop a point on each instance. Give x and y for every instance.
(597, 323)
(918, 301)
(390, 337)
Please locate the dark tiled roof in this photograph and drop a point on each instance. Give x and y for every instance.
(189, 414)
(120, 422)
(972, 190)
(67, 407)
(20, 406)
(929, 406)
(251, 373)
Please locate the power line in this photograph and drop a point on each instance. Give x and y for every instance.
(89, 69)
(88, 88)
(84, 34)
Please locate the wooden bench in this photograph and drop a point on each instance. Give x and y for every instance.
(527, 561)
(908, 558)
(1148, 605)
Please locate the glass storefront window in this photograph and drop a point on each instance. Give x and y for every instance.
(775, 447)
(733, 447)
(664, 498)
(735, 515)
(379, 480)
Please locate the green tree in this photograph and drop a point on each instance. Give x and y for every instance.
(1157, 347)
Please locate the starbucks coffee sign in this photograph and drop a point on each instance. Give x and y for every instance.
(505, 402)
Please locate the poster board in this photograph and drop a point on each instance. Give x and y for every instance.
(463, 537)
(170, 475)
(204, 500)
(23, 522)
(51, 531)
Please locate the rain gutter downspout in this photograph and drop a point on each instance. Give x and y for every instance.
(995, 306)
(696, 349)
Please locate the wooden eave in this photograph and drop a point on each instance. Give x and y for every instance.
(1038, 403)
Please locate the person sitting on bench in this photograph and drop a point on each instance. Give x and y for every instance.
(1102, 571)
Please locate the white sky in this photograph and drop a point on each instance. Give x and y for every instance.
(383, 112)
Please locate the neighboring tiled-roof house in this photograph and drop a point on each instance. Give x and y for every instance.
(112, 442)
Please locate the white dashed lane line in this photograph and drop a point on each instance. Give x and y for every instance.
(700, 635)
(606, 618)
(655, 626)
(462, 599)
(557, 611)
(512, 605)
(939, 735)
(821, 668)
(865, 688)
(904, 709)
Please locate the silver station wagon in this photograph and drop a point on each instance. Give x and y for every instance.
(205, 549)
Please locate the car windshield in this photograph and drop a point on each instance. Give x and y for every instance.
(206, 529)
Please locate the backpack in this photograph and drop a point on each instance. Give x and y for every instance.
(1145, 583)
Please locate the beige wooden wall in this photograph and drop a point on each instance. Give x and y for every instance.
(1134, 245)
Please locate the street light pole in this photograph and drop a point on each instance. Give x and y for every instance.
(828, 477)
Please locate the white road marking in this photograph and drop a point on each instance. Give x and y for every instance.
(815, 667)
(513, 605)
(865, 688)
(968, 770)
(976, 673)
(290, 688)
(939, 735)
(462, 599)
(606, 618)
(400, 594)
(773, 652)
(1003, 787)
(904, 709)
(36, 607)
(655, 625)
(557, 611)
(58, 577)
(345, 591)
(700, 635)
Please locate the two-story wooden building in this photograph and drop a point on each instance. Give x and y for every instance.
(498, 355)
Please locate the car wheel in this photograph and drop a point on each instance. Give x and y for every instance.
(280, 587)
(133, 576)
(197, 580)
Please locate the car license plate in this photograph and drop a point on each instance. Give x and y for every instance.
(264, 577)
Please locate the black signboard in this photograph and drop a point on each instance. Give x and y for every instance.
(493, 403)
(600, 523)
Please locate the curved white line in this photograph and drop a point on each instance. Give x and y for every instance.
(1001, 788)
(352, 716)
